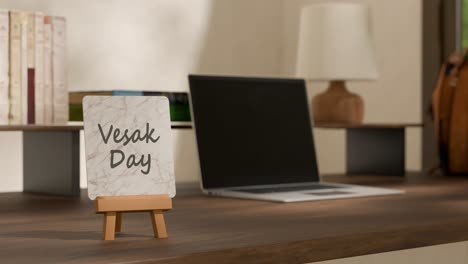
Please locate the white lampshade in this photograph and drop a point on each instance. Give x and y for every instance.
(335, 43)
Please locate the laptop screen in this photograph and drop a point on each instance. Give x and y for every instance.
(252, 131)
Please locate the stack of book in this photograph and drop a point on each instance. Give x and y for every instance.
(33, 81)
(178, 103)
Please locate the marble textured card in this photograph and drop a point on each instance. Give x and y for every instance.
(128, 146)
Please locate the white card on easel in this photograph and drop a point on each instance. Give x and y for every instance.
(128, 146)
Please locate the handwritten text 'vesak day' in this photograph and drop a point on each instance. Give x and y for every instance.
(126, 137)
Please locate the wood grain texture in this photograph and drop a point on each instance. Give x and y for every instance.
(159, 226)
(114, 206)
(133, 203)
(203, 229)
(109, 226)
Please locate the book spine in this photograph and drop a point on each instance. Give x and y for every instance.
(24, 73)
(48, 92)
(39, 68)
(59, 73)
(15, 68)
(4, 67)
(31, 97)
(31, 57)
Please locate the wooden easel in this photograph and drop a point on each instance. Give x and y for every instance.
(114, 206)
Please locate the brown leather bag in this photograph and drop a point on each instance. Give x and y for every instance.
(450, 111)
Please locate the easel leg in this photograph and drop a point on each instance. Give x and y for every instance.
(118, 222)
(109, 225)
(159, 226)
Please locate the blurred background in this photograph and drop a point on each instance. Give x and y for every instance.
(154, 44)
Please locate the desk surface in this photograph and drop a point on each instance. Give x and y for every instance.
(222, 230)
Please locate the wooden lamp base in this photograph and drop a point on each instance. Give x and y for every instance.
(114, 206)
(338, 105)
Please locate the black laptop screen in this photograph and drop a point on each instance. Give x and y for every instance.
(252, 131)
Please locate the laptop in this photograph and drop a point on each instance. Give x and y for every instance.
(255, 141)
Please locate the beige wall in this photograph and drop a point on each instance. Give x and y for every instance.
(154, 44)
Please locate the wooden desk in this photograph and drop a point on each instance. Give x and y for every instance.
(46, 229)
(374, 148)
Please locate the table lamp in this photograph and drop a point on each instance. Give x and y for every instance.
(335, 45)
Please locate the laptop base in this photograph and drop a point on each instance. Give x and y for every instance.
(337, 191)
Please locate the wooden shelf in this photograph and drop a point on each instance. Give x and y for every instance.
(41, 127)
(60, 127)
(374, 147)
(366, 125)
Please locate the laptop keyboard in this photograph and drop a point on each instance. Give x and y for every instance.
(290, 188)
